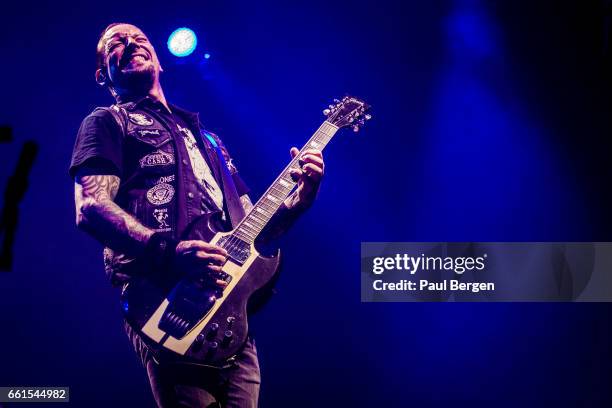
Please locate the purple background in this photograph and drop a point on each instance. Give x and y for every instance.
(491, 123)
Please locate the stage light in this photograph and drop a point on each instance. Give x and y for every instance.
(182, 42)
(207, 56)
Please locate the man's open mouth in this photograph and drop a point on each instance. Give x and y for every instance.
(138, 56)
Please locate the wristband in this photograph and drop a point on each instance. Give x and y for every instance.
(160, 250)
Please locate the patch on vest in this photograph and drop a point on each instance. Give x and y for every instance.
(161, 216)
(144, 132)
(230, 166)
(157, 158)
(160, 194)
(140, 119)
(165, 179)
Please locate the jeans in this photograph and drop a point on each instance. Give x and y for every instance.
(180, 385)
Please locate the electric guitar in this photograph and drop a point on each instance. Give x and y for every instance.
(198, 322)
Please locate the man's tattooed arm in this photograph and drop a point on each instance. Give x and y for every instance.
(97, 214)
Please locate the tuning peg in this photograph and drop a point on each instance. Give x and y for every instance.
(326, 112)
(355, 128)
(361, 122)
(336, 101)
(351, 119)
(368, 116)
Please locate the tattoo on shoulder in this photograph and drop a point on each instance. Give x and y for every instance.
(100, 186)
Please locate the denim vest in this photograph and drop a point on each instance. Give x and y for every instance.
(158, 186)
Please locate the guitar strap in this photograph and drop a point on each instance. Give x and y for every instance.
(234, 208)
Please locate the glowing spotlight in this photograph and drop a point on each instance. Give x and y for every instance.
(182, 42)
(207, 56)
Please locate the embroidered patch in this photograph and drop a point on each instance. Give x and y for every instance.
(157, 158)
(160, 194)
(165, 179)
(144, 132)
(140, 119)
(230, 166)
(161, 216)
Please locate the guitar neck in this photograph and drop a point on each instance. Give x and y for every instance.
(269, 203)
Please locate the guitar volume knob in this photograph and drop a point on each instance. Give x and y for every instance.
(212, 333)
(227, 337)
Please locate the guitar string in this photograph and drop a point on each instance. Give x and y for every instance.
(319, 137)
(264, 203)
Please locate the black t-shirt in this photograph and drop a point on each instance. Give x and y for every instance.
(98, 148)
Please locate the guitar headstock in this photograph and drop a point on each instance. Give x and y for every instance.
(348, 112)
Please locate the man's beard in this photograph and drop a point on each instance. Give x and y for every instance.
(136, 82)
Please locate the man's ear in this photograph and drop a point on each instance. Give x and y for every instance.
(101, 77)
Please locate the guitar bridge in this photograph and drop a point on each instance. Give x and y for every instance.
(189, 302)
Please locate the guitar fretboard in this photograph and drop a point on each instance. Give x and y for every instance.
(261, 213)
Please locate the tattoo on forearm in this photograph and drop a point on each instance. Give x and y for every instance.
(99, 215)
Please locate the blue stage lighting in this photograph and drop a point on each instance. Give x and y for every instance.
(207, 56)
(182, 42)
